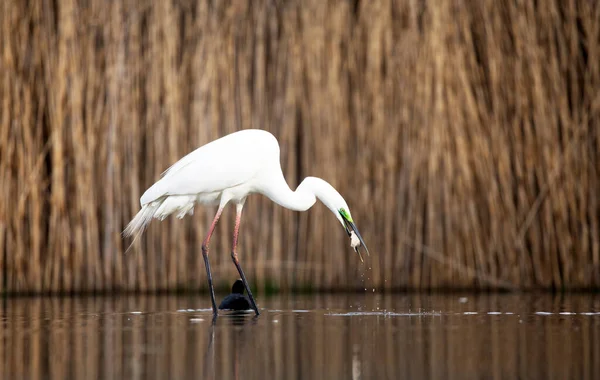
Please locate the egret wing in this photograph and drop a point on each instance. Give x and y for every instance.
(221, 164)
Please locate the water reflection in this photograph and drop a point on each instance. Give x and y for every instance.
(335, 336)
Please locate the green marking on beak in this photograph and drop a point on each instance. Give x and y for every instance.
(351, 228)
(346, 215)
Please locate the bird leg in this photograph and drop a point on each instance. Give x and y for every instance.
(234, 257)
(206, 264)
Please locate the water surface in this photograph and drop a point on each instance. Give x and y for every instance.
(356, 336)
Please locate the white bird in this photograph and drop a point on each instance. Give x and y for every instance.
(228, 170)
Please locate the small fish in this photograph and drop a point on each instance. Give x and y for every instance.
(355, 243)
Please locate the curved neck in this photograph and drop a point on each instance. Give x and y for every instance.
(305, 195)
(300, 200)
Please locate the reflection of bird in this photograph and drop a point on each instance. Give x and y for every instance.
(228, 170)
(236, 300)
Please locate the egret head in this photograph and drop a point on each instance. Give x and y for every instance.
(313, 187)
(355, 239)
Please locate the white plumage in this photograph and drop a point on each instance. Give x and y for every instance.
(208, 175)
(228, 170)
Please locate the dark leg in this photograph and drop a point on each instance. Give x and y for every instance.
(234, 257)
(210, 284)
(206, 263)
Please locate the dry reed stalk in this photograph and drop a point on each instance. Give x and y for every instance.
(463, 136)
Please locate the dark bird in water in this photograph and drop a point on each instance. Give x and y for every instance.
(236, 300)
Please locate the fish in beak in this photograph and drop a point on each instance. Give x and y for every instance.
(356, 240)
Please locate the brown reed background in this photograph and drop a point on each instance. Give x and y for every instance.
(464, 137)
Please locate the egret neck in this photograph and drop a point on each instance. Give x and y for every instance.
(306, 195)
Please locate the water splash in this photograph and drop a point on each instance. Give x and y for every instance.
(382, 314)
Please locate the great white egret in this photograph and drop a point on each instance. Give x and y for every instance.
(228, 170)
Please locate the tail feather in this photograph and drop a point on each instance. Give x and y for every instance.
(181, 204)
(159, 209)
(140, 221)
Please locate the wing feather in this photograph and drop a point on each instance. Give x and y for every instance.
(227, 162)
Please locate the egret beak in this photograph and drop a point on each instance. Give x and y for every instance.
(350, 229)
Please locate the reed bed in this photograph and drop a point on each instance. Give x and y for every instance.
(464, 137)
